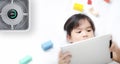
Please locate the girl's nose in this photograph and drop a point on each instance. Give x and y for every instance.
(84, 34)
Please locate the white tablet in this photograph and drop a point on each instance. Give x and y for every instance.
(91, 51)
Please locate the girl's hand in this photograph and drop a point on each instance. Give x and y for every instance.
(64, 58)
(116, 52)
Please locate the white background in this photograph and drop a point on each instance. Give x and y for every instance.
(47, 18)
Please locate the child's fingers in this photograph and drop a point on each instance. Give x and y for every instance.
(116, 52)
(60, 54)
(113, 47)
(68, 59)
(65, 55)
(64, 58)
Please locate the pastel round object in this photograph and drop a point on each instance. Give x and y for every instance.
(26, 60)
(47, 45)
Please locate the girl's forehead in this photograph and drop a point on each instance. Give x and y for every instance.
(83, 22)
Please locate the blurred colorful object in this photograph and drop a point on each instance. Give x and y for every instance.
(78, 7)
(89, 2)
(93, 12)
(26, 60)
(107, 1)
(47, 45)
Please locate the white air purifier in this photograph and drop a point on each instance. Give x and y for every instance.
(14, 14)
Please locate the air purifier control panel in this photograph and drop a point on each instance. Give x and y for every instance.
(14, 15)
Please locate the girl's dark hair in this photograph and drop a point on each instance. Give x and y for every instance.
(73, 22)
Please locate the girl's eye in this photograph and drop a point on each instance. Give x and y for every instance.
(79, 32)
(89, 30)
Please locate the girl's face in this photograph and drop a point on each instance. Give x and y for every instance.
(82, 32)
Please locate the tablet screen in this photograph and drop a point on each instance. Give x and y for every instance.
(91, 51)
